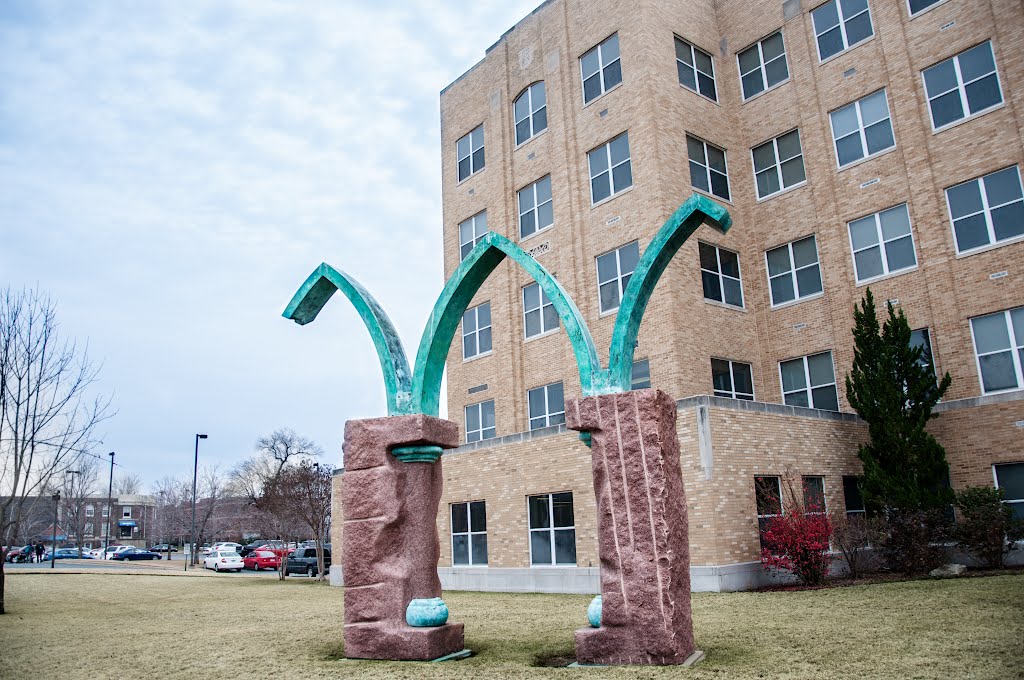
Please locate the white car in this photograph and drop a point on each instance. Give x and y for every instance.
(113, 550)
(226, 545)
(223, 560)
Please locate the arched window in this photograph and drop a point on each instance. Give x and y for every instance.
(531, 112)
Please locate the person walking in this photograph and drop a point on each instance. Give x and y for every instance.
(39, 551)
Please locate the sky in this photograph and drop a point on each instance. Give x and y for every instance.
(172, 171)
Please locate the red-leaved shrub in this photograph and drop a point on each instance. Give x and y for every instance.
(797, 542)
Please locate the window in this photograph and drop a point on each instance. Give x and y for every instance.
(732, 379)
(720, 274)
(1010, 478)
(470, 153)
(963, 86)
(601, 69)
(810, 381)
(536, 209)
(539, 315)
(987, 210)
(476, 331)
(768, 496)
(999, 347)
(126, 532)
(610, 169)
(696, 69)
(641, 375)
(126, 511)
(862, 129)
(918, 6)
(552, 529)
(531, 112)
(852, 497)
(707, 167)
(882, 244)
(613, 272)
(763, 65)
(814, 495)
(469, 534)
(480, 421)
(90, 511)
(470, 233)
(793, 271)
(106, 511)
(778, 164)
(87, 531)
(839, 26)
(920, 338)
(547, 406)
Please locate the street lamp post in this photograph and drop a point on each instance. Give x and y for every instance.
(53, 550)
(71, 497)
(195, 475)
(110, 510)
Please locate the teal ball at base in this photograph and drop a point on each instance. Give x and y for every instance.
(594, 612)
(426, 613)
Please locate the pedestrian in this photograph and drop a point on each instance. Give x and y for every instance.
(39, 551)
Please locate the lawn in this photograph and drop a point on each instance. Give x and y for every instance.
(105, 625)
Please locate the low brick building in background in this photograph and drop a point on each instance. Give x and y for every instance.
(857, 143)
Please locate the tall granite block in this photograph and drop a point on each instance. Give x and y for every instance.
(389, 538)
(643, 536)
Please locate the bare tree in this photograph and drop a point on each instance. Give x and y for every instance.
(210, 494)
(310, 484)
(47, 418)
(76, 490)
(127, 484)
(172, 512)
(283, 446)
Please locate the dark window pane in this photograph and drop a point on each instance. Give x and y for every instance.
(522, 131)
(776, 71)
(686, 74)
(562, 506)
(460, 549)
(793, 172)
(539, 518)
(535, 397)
(565, 546)
(540, 120)
(772, 46)
(947, 109)
(460, 518)
(721, 378)
(849, 149)
(971, 232)
(730, 263)
(976, 62)
(767, 495)
(1003, 186)
(879, 136)
(732, 292)
(997, 372)
(622, 176)
(767, 183)
(858, 28)
(720, 185)
(964, 199)
(851, 495)
(830, 43)
(708, 256)
(940, 78)
(463, 169)
(752, 84)
(706, 85)
(478, 160)
(825, 17)
(797, 399)
(600, 187)
(825, 398)
(478, 515)
(814, 494)
(782, 289)
(743, 381)
(750, 59)
(479, 544)
(869, 263)
(712, 286)
(612, 74)
(808, 281)
(778, 261)
(981, 94)
(698, 176)
(1008, 221)
(540, 547)
(899, 254)
(591, 87)
(1010, 478)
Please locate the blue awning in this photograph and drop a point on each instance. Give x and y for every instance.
(126, 523)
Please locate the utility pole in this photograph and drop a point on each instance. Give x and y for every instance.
(53, 550)
(110, 508)
(195, 475)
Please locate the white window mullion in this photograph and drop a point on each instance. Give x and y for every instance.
(1014, 349)
(986, 209)
(961, 87)
(764, 68)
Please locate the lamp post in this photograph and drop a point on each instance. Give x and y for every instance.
(53, 551)
(195, 475)
(78, 510)
(110, 510)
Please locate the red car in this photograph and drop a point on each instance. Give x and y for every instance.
(261, 559)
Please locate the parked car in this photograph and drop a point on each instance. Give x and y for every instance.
(223, 560)
(133, 554)
(227, 545)
(112, 550)
(64, 554)
(261, 559)
(163, 547)
(249, 547)
(22, 554)
(303, 561)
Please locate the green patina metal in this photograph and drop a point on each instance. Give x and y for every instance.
(417, 454)
(419, 390)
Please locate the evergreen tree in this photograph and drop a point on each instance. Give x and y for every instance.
(894, 391)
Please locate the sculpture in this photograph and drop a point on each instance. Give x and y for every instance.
(392, 481)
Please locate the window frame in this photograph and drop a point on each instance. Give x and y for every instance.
(469, 533)
(477, 330)
(881, 243)
(842, 29)
(792, 272)
(774, 141)
(913, 15)
(472, 151)
(476, 239)
(986, 211)
(693, 67)
(995, 481)
(1015, 348)
(550, 530)
(548, 413)
(733, 393)
(861, 130)
(846, 499)
(757, 511)
(764, 76)
(707, 167)
(542, 296)
(532, 188)
(824, 494)
(961, 87)
(633, 381)
(480, 416)
(601, 66)
(808, 387)
(532, 112)
(721, 275)
(606, 148)
(619, 276)
(126, 512)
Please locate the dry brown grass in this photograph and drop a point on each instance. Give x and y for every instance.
(123, 626)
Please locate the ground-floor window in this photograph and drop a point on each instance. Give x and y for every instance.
(768, 494)
(88, 529)
(1010, 478)
(814, 494)
(126, 532)
(552, 529)
(469, 534)
(852, 497)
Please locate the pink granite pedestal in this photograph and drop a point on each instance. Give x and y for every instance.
(643, 536)
(389, 538)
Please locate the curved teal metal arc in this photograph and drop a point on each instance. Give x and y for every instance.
(662, 248)
(455, 299)
(314, 293)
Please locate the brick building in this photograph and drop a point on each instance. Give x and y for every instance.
(854, 143)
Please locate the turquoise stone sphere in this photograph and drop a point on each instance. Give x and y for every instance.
(594, 612)
(426, 613)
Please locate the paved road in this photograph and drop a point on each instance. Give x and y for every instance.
(139, 566)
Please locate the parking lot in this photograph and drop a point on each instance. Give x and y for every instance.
(174, 566)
